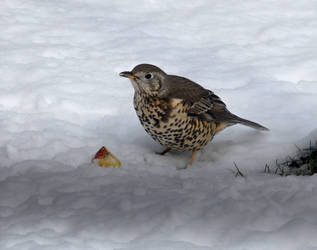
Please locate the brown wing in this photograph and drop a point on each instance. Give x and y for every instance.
(201, 100)
(210, 103)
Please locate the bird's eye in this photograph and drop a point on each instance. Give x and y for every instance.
(148, 76)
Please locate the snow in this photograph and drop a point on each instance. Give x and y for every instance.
(61, 99)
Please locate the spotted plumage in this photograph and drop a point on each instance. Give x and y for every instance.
(168, 122)
(177, 112)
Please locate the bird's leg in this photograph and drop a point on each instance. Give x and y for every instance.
(190, 161)
(192, 158)
(164, 151)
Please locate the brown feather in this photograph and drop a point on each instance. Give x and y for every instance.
(200, 99)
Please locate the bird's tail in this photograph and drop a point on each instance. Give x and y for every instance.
(251, 124)
(232, 119)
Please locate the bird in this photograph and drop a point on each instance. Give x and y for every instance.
(177, 112)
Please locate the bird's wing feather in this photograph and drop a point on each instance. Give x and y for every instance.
(210, 103)
(200, 99)
(203, 102)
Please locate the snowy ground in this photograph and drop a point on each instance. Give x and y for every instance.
(61, 99)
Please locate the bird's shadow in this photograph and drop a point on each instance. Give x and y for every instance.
(227, 143)
(231, 141)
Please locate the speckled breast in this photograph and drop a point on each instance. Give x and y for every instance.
(168, 123)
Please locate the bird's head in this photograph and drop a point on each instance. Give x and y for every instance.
(146, 78)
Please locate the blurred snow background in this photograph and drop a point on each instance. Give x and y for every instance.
(61, 99)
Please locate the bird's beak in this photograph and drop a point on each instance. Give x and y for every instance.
(128, 74)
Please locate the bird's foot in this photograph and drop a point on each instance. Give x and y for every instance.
(190, 163)
(182, 167)
(163, 152)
